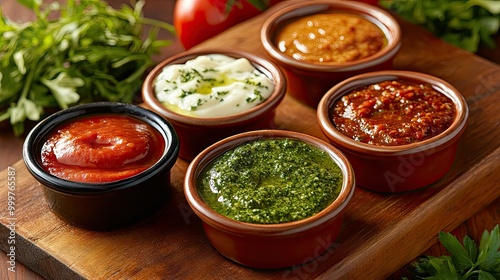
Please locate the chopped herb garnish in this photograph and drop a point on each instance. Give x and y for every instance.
(211, 80)
(199, 102)
(189, 75)
(253, 83)
(257, 93)
(209, 86)
(210, 70)
(186, 76)
(186, 93)
(256, 96)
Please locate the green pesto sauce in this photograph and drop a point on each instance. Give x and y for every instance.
(270, 181)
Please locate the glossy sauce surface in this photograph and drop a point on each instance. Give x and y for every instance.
(393, 113)
(101, 148)
(330, 38)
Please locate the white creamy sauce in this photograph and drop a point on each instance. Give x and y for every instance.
(212, 85)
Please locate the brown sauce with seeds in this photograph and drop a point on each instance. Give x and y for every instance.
(330, 38)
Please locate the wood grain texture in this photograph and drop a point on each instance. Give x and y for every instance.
(377, 227)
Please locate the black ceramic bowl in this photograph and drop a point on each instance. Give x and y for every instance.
(108, 205)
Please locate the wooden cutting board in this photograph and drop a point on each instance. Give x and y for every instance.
(380, 234)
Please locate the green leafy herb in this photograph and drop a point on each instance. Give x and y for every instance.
(189, 75)
(186, 93)
(258, 4)
(90, 52)
(206, 70)
(253, 83)
(221, 93)
(466, 261)
(198, 103)
(464, 23)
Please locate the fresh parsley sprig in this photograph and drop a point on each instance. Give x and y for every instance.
(89, 52)
(466, 261)
(466, 24)
(258, 4)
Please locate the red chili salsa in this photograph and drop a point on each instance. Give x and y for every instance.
(101, 148)
(393, 113)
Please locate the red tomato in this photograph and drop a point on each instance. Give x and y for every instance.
(371, 2)
(198, 20)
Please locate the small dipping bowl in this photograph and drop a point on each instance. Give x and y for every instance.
(197, 133)
(104, 205)
(275, 245)
(398, 168)
(308, 81)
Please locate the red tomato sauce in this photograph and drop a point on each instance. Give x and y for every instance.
(101, 148)
(393, 113)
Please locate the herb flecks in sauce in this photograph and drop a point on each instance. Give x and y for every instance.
(271, 181)
(224, 85)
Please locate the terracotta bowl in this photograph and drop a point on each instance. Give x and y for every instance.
(107, 205)
(197, 133)
(396, 168)
(308, 82)
(276, 245)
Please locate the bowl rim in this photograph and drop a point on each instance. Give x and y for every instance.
(435, 143)
(383, 19)
(38, 135)
(269, 68)
(224, 223)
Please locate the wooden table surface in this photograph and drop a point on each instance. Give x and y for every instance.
(10, 146)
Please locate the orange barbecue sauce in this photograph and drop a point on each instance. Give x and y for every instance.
(101, 148)
(330, 38)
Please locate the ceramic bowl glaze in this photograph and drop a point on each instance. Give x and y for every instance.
(108, 205)
(270, 245)
(308, 82)
(396, 168)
